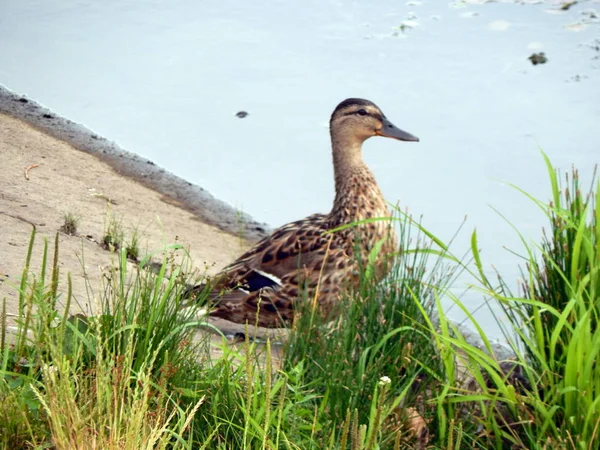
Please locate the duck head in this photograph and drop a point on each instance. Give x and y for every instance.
(356, 119)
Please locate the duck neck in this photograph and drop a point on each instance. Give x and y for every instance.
(347, 160)
(354, 182)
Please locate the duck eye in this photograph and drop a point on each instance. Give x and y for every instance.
(362, 112)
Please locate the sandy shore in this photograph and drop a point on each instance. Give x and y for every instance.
(74, 171)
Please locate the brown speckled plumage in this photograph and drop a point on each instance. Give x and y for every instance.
(305, 254)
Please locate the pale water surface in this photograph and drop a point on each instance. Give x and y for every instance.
(165, 80)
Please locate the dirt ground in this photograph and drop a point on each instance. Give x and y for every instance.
(63, 180)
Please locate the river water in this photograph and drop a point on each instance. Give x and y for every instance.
(166, 79)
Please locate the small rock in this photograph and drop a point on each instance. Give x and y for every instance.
(538, 58)
(566, 5)
(238, 337)
(577, 78)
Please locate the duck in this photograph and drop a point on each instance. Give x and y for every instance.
(318, 257)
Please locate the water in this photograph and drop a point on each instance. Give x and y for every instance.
(165, 80)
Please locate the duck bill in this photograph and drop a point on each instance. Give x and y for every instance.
(392, 131)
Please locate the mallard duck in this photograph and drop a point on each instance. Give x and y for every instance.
(305, 255)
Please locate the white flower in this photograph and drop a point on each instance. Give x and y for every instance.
(383, 381)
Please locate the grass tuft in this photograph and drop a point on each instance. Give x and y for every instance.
(114, 235)
(70, 224)
(132, 249)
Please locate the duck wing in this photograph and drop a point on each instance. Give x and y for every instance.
(298, 245)
(268, 278)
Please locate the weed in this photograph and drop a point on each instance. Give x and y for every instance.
(114, 235)
(132, 249)
(70, 224)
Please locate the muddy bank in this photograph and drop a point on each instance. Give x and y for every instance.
(186, 195)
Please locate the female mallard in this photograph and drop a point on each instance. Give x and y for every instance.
(271, 276)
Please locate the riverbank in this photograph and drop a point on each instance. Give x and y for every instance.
(52, 167)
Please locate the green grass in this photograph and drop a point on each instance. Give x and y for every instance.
(383, 374)
(70, 224)
(554, 400)
(114, 237)
(132, 249)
